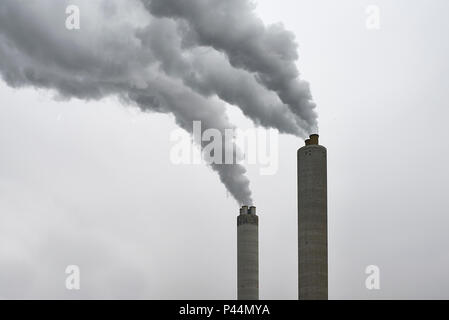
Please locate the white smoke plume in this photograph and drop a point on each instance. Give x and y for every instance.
(169, 56)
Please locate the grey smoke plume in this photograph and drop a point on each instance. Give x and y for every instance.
(183, 57)
(232, 27)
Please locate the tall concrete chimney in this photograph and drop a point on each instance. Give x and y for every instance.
(312, 221)
(248, 254)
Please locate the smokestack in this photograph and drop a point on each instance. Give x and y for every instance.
(248, 254)
(312, 221)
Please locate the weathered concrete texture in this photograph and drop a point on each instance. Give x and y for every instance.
(248, 254)
(312, 222)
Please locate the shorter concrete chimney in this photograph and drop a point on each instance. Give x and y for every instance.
(248, 254)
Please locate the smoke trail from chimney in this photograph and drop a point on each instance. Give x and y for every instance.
(184, 58)
(231, 27)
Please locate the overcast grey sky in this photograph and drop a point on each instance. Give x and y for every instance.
(90, 182)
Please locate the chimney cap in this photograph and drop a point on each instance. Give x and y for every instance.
(314, 139)
(244, 210)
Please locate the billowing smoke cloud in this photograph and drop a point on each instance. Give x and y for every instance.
(183, 57)
(232, 28)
